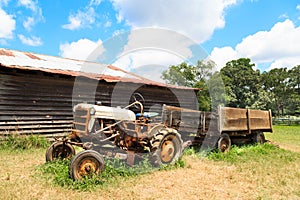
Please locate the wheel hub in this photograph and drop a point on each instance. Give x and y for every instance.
(167, 151)
(224, 146)
(87, 167)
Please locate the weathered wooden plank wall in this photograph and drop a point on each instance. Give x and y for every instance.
(35, 102)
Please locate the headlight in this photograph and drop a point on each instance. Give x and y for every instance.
(92, 111)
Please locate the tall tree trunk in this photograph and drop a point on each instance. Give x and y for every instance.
(278, 110)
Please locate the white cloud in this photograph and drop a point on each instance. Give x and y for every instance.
(119, 18)
(288, 62)
(29, 23)
(81, 19)
(265, 46)
(149, 51)
(31, 41)
(74, 23)
(148, 63)
(159, 39)
(159, 57)
(298, 7)
(3, 3)
(197, 19)
(118, 32)
(37, 15)
(107, 24)
(32, 5)
(283, 16)
(95, 2)
(80, 50)
(3, 42)
(222, 55)
(278, 46)
(8, 25)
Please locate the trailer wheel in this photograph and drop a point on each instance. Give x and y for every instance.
(86, 163)
(259, 138)
(59, 150)
(166, 147)
(224, 143)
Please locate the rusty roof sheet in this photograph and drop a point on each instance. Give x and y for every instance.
(72, 67)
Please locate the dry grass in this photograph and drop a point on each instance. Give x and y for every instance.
(275, 178)
(202, 179)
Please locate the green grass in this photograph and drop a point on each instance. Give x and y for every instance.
(22, 142)
(255, 153)
(56, 173)
(286, 136)
(261, 161)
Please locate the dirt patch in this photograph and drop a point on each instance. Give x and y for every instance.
(202, 180)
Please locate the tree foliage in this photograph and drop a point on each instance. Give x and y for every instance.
(276, 82)
(277, 89)
(192, 76)
(241, 82)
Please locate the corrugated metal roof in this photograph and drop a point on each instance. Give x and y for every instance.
(71, 67)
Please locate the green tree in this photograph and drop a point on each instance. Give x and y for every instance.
(293, 106)
(276, 83)
(192, 76)
(242, 83)
(265, 100)
(181, 75)
(294, 74)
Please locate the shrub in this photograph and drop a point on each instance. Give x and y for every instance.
(19, 142)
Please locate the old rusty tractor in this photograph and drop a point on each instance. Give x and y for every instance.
(104, 131)
(115, 132)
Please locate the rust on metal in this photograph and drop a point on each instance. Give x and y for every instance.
(32, 56)
(72, 67)
(4, 52)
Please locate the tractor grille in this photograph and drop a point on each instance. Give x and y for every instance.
(81, 120)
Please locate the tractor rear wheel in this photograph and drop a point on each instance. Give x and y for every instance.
(86, 163)
(166, 147)
(59, 150)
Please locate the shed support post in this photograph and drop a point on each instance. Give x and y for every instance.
(249, 121)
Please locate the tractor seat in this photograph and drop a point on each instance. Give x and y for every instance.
(147, 114)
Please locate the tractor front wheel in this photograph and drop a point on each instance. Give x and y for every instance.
(86, 163)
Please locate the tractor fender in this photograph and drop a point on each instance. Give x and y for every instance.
(154, 130)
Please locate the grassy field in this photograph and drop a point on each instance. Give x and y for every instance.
(269, 171)
(288, 137)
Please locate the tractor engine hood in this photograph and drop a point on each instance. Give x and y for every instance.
(106, 112)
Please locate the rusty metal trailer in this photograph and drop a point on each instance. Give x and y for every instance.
(226, 126)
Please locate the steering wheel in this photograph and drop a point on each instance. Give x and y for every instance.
(137, 97)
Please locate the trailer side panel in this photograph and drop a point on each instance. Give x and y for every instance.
(238, 119)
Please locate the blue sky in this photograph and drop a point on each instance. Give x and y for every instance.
(267, 31)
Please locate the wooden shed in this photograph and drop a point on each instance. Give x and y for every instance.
(38, 92)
